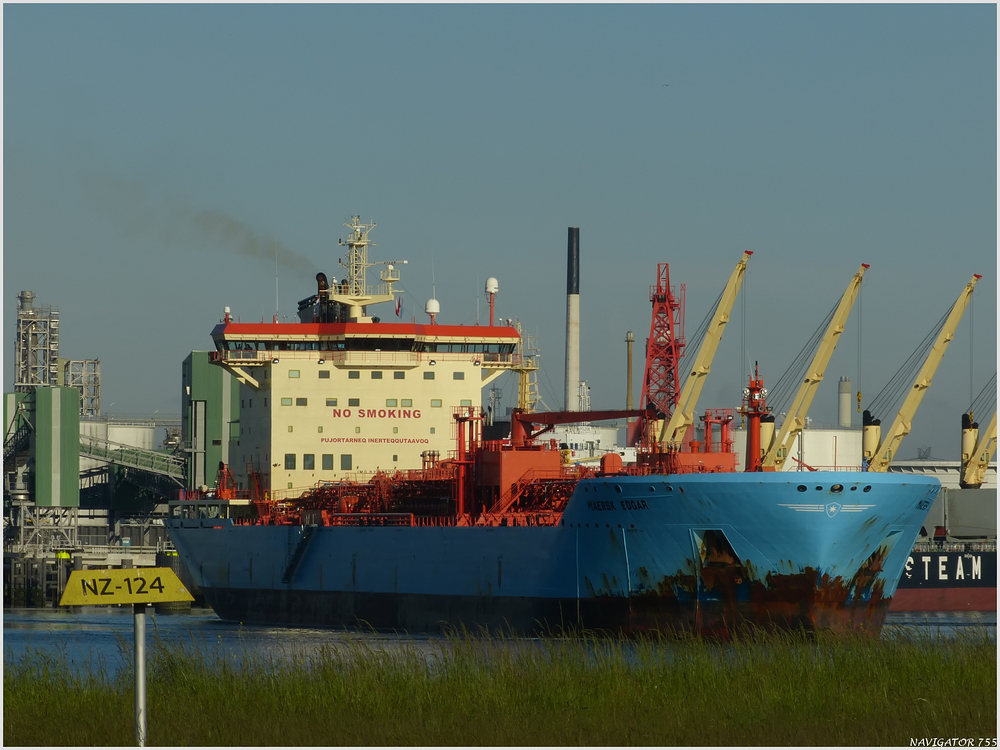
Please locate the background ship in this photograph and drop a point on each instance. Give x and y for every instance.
(502, 533)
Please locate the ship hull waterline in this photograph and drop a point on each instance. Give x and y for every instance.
(702, 553)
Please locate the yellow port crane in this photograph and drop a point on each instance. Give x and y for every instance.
(795, 421)
(683, 415)
(976, 460)
(880, 449)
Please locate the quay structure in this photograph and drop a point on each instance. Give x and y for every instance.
(82, 490)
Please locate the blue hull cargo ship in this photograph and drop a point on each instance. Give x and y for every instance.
(364, 489)
(631, 554)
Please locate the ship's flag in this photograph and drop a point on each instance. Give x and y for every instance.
(399, 307)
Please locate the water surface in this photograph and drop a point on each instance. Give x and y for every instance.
(101, 637)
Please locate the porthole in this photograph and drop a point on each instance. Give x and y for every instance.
(802, 488)
(618, 488)
(853, 489)
(652, 488)
(837, 488)
(868, 488)
(819, 488)
(668, 488)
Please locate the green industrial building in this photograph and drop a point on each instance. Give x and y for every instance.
(210, 414)
(57, 447)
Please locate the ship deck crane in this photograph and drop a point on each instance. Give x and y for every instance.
(794, 423)
(888, 443)
(974, 471)
(683, 414)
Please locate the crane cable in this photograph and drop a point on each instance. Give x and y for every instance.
(986, 401)
(892, 394)
(783, 391)
(972, 346)
(693, 345)
(861, 311)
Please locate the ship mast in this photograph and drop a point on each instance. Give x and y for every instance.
(354, 291)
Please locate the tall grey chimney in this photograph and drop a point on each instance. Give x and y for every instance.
(844, 402)
(573, 320)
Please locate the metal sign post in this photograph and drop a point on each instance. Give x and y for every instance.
(138, 587)
(139, 654)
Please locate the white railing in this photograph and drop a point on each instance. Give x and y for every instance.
(347, 358)
(985, 545)
(90, 550)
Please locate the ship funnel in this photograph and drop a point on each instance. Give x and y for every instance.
(573, 320)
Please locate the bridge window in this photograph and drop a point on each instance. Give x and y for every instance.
(289, 460)
(458, 376)
(376, 374)
(327, 462)
(390, 402)
(293, 373)
(301, 401)
(354, 374)
(406, 402)
(286, 401)
(324, 374)
(465, 402)
(346, 462)
(436, 403)
(399, 375)
(331, 402)
(428, 375)
(354, 402)
(308, 461)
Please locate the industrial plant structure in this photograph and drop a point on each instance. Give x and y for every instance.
(79, 488)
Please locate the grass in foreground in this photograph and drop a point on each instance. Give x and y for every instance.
(768, 690)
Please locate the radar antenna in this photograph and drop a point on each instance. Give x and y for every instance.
(354, 290)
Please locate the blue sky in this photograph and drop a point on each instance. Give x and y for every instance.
(156, 156)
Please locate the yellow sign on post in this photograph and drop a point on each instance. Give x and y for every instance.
(129, 586)
(135, 586)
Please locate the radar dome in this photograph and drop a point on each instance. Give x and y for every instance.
(492, 285)
(433, 307)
